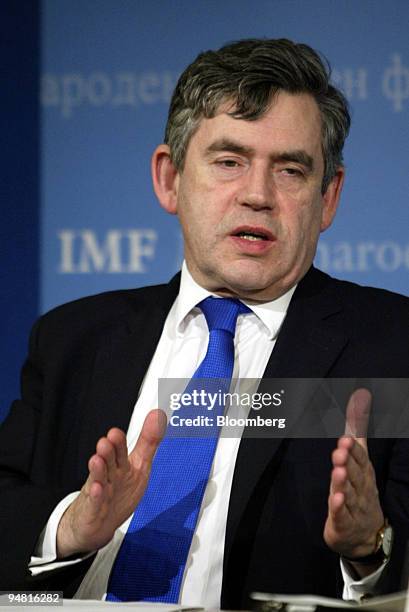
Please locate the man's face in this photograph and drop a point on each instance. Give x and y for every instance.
(249, 199)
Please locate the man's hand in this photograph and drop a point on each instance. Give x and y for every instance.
(113, 489)
(354, 512)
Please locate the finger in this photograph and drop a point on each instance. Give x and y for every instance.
(338, 480)
(357, 415)
(106, 450)
(96, 482)
(96, 493)
(118, 439)
(360, 454)
(97, 470)
(350, 448)
(341, 489)
(356, 462)
(340, 455)
(338, 511)
(341, 483)
(336, 504)
(89, 508)
(152, 432)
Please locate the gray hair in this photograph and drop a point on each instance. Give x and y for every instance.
(249, 73)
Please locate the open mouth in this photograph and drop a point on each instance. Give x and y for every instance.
(253, 234)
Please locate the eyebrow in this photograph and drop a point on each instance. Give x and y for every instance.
(298, 156)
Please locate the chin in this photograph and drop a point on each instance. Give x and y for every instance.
(245, 284)
(255, 285)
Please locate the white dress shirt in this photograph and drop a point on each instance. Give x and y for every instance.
(180, 350)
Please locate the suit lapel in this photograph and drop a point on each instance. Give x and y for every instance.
(121, 362)
(310, 341)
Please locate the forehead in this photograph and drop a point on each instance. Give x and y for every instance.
(292, 121)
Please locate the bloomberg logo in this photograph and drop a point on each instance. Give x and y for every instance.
(117, 252)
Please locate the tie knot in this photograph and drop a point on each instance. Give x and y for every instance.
(222, 313)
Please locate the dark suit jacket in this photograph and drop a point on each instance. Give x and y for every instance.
(86, 363)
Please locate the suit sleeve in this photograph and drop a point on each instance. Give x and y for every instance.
(396, 508)
(26, 501)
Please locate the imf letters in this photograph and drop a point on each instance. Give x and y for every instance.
(114, 252)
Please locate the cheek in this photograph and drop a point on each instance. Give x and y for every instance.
(310, 214)
(301, 226)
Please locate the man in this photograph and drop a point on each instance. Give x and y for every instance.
(252, 166)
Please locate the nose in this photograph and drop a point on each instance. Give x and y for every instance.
(257, 188)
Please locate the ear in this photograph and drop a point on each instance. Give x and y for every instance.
(165, 178)
(330, 199)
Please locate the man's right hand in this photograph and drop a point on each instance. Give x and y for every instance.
(113, 489)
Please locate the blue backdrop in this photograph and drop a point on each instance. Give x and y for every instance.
(108, 69)
(19, 182)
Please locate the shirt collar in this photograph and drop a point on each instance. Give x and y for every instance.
(271, 314)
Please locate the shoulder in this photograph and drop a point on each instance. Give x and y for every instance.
(373, 322)
(352, 295)
(368, 312)
(101, 304)
(92, 315)
(364, 311)
(369, 301)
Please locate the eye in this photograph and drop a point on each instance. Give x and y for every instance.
(289, 173)
(292, 171)
(228, 163)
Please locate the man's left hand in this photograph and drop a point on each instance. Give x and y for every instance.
(354, 512)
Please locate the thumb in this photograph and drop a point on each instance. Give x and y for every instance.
(152, 432)
(357, 415)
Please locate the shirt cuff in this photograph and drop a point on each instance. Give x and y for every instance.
(44, 558)
(355, 589)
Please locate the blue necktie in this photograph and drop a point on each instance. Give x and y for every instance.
(152, 558)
